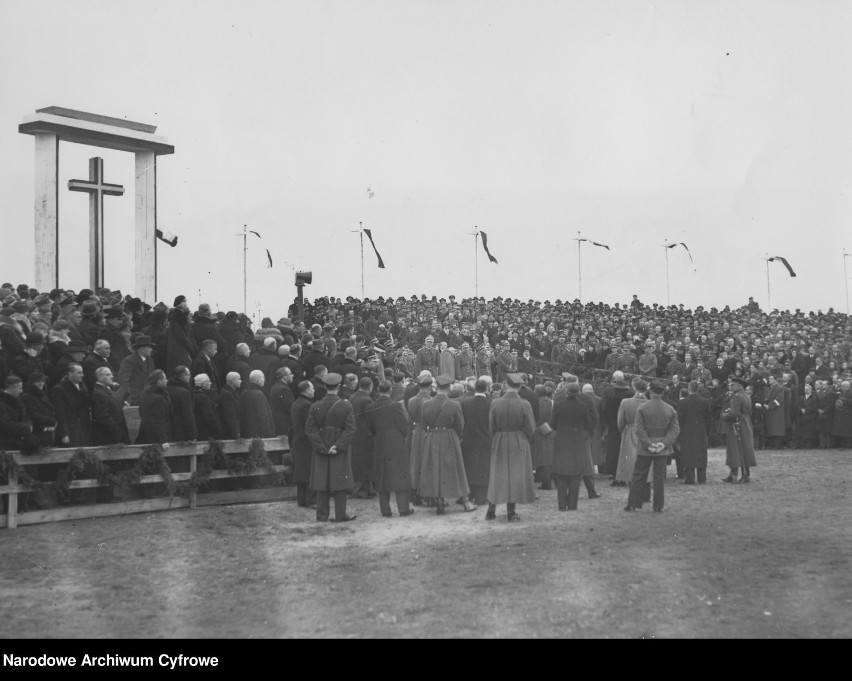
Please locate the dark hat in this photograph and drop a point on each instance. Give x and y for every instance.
(370, 355)
(76, 346)
(89, 307)
(11, 379)
(204, 310)
(179, 300)
(115, 313)
(36, 377)
(20, 306)
(738, 379)
(443, 381)
(332, 379)
(515, 380)
(85, 294)
(285, 322)
(35, 338)
(43, 299)
(657, 387)
(142, 341)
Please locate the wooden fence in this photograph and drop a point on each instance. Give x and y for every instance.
(180, 456)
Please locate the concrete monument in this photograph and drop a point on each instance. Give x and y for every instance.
(52, 124)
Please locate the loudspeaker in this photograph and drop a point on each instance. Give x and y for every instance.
(303, 278)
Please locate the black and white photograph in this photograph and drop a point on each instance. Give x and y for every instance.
(422, 319)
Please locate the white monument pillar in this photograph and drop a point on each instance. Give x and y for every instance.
(46, 211)
(146, 225)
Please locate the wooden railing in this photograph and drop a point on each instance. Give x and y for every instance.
(276, 449)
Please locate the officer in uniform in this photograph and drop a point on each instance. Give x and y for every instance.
(330, 428)
(427, 357)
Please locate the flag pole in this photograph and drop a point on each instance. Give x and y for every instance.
(361, 233)
(768, 291)
(244, 234)
(579, 271)
(475, 235)
(668, 295)
(846, 280)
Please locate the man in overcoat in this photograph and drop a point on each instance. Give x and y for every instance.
(361, 447)
(442, 473)
(256, 418)
(476, 440)
(108, 424)
(134, 370)
(740, 439)
(388, 427)
(300, 446)
(229, 406)
(427, 357)
(572, 423)
(512, 426)
(330, 428)
(70, 399)
(657, 429)
(693, 413)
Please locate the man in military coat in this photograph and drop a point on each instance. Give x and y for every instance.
(657, 429)
(740, 440)
(330, 428)
(388, 426)
(427, 357)
(512, 425)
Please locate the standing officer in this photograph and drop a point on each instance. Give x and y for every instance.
(740, 440)
(657, 429)
(330, 428)
(512, 426)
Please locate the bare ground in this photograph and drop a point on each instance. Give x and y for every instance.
(768, 560)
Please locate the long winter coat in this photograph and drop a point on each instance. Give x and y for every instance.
(842, 425)
(108, 424)
(596, 439)
(774, 422)
(15, 424)
(612, 398)
(806, 419)
(73, 414)
(180, 348)
(206, 417)
(40, 410)
(573, 428)
(183, 428)
(542, 445)
(418, 433)
(387, 424)
(362, 442)
(132, 377)
(512, 427)
(693, 413)
(154, 416)
(476, 440)
(256, 418)
(442, 466)
(281, 401)
(300, 445)
(742, 447)
(331, 422)
(229, 413)
(626, 424)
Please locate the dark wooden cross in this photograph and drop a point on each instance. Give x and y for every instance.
(96, 188)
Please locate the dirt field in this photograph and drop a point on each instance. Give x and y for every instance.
(767, 560)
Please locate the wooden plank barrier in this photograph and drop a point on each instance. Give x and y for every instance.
(186, 453)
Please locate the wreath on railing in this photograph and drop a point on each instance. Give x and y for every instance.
(150, 461)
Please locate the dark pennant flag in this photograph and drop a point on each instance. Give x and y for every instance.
(169, 237)
(595, 243)
(370, 237)
(485, 246)
(786, 264)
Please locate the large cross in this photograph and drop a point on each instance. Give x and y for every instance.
(96, 188)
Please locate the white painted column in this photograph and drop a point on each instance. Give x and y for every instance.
(46, 261)
(146, 226)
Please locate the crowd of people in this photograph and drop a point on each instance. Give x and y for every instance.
(71, 362)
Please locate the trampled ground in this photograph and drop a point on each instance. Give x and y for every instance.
(767, 560)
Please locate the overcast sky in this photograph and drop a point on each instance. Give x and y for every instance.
(724, 125)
